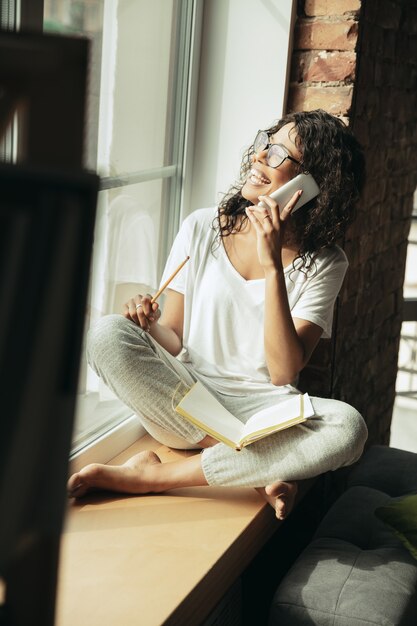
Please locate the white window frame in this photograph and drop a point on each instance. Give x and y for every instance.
(125, 433)
(183, 195)
(28, 15)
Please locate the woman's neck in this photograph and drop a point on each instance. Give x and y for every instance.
(244, 227)
(241, 248)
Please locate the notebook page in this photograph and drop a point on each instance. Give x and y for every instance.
(203, 406)
(279, 413)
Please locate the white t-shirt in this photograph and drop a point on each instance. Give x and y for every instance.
(223, 334)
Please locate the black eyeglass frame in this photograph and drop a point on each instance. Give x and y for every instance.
(268, 146)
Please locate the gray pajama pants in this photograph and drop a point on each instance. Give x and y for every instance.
(146, 377)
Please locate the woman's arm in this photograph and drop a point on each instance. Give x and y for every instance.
(166, 329)
(168, 332)
(289, 342)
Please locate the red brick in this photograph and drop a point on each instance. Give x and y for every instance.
(331, 7)
(323, 66)
(335, 100)
(330, 66)
(326, 35)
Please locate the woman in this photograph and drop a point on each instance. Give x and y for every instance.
(246, 313)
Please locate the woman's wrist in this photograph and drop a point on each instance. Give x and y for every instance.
(273, 271)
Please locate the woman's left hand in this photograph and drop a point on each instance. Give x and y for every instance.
(269, 225)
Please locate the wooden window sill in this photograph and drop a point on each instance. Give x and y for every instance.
(157, 559)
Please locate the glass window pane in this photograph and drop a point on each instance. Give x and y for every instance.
(133, 72)
(124, 264)
(126, 242)
(139, 76)
(131, 63)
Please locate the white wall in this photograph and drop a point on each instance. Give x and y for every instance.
(242, 87)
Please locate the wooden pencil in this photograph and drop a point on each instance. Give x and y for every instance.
(166, 283)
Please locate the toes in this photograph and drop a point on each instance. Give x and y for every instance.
(73, 483)
(76, 492)
(80, 483)
(75, 487)
(269, 490)
(280, 509)
(284, 494)
(281, 488)
(277, 489)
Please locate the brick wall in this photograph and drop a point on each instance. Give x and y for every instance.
(358, 60)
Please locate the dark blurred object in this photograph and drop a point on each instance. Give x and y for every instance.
(47, 214)
(43, 79)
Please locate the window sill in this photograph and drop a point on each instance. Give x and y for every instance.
(108, 445)
(157, 559)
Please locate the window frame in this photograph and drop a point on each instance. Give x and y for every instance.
(21, 15)
(189, 192)
(118, 437)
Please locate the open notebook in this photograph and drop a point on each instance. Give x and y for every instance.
(201, 408)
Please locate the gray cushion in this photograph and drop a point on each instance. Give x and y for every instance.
(352, 519)
(387, 469)
(355, 571)
(336, 583)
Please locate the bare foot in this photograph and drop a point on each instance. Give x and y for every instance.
(135, 476)
(281, 496)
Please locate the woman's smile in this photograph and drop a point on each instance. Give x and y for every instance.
(258, 178)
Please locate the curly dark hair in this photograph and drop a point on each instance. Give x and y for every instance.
(335, 159)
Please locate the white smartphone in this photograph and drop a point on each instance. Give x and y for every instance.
(284, 194)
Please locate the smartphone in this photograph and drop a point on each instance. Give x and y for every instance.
(284, 194)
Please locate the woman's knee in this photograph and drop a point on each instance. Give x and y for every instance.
(354, 428)
(344, 421)
(104, 336)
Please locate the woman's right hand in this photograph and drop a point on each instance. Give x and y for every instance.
(142, 312)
